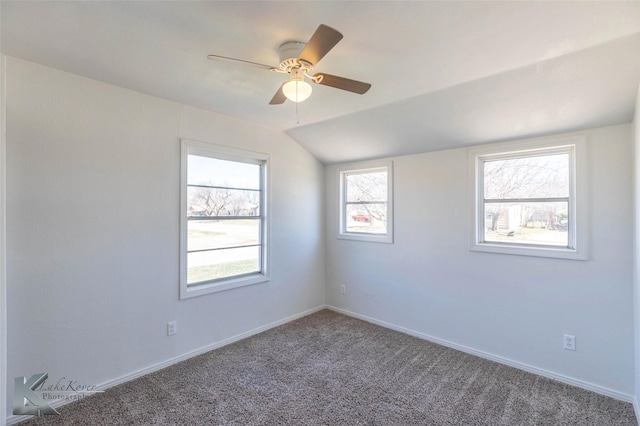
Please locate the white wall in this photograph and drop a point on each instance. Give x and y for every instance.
(513, 307)
(93, 223)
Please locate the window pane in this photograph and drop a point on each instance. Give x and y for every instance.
(210, 265)
(527, 223)
(211, 234)
(531, 177)
(215, 172)
(366, 186)
(222, 202)
(369, 218)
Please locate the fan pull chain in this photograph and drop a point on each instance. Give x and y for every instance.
(297, 114)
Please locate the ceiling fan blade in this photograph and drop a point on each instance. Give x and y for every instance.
(279, 97)
(321, 42)
(242, 61)
(347, 84)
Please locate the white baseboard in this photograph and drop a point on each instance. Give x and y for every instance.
(506, 361)
(13, 419)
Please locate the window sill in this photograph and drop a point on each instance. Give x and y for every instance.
(372, 238)
(203, 288)
(557, 253)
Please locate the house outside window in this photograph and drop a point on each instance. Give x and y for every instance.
(223, 219)
(529, 198)
(366, 201)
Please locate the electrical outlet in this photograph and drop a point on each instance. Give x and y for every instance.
(343, 289)
(172, 328)
(569, 342)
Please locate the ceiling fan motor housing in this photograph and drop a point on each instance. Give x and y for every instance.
(289, 53)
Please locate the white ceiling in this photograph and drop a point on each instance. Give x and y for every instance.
(444, 74)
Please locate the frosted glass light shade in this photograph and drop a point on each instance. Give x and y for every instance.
(296, 90)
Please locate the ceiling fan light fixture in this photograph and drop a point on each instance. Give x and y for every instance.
(296, 90)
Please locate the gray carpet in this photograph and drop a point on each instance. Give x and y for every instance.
(329, 369)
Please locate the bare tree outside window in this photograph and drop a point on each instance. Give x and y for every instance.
(530, 198)
(223, 221)
(224, 237)
(366, 202)
(526, 199)
(211, 200)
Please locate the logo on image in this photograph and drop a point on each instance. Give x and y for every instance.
(32, 396)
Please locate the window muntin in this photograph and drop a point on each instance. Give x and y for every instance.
(526, 198)
(224, 221)
(365, 207)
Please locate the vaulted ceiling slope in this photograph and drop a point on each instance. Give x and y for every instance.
(444, 74)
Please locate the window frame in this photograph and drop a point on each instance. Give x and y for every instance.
(204, 149)
(575, 146)
(362, 168)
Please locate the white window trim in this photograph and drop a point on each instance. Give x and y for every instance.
(232, 154)
(344, 169)
(578, 203)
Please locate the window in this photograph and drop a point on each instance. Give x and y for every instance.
(526, 199)
(366, 211)
(223, 219)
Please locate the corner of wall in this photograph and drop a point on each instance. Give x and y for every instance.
(3, 287)
(636, 253)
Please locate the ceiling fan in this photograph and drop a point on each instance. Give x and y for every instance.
(297, 59)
